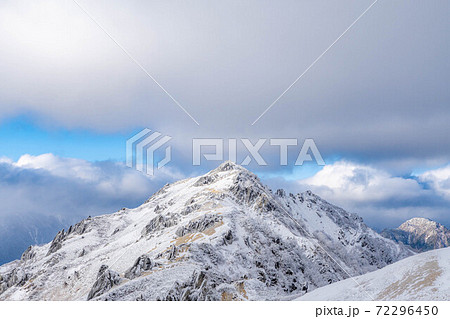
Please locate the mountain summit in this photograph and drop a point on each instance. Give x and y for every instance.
(421, 234)
(220, 236)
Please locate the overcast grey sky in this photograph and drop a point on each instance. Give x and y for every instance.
(380, 92)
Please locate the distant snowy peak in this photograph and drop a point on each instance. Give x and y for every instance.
(421, 234)
(421, 224)
(220, 236)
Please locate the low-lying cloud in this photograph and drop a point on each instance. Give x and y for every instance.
(382, 199)
(41, 194)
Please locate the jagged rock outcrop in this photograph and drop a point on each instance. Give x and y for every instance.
(206, 180)
(197, 288)
(172, 254)
(158, 223)
(28, 254)
(198, 225)
(228, 238)
(77, 229)
(17, 277)
(57, 242)
(106, 279)
(143, 263)
(189, 209)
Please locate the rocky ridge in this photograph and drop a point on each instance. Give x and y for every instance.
(221, 236)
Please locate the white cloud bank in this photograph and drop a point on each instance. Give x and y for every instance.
(384, 200)
(438, 179)
(107, 178)
(361, 183)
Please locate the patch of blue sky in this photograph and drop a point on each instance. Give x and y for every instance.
(23, 135)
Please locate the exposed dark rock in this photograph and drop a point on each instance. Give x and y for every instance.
(247, 190)
(280, 193)
(198, 288)
(143, 263)
(28, 254)
(189, 209)
(57, 242)
(206, 180)
(159, 209)
(17, 277)
(82, 253)
(228, 238)
(227, 166)
(106, 279)
(79, 228)
(157, 223)
(172, 252)
(198, 225)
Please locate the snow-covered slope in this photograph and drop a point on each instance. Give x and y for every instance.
(421, 234)
(221, 236)
(425, 276)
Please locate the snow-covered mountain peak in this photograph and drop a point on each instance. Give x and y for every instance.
(230, 166)
(420, 233)
(231, 172)
(223, 235)
(418, 222)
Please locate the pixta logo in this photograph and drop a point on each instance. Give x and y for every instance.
(253, 150)
(141, 149)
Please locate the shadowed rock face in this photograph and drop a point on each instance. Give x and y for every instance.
(78, 229)
(198, 225)
(17, 277)
(158, 223)
(106, 279)
(142, 264)
(198, 288)
(28, 254)
(421, 234)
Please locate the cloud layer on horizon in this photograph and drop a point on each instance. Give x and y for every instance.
(70, 189)
(382, 199)
(49, 184)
